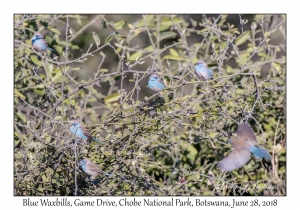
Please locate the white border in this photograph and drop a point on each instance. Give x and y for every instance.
(8, 8)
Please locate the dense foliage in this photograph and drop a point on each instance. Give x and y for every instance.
(154, 146)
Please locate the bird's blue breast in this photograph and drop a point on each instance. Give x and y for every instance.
(155, 85)
(205, 72)
(78, 131)
(40, 44)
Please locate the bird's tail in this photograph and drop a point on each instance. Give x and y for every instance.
(51, 49)
(96, 140)
(259, 152)
(108, 174)
(96, 181)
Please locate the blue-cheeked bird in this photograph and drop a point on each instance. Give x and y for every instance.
(155, 83)
(39, 43)
(202, 71)
(91, 169)
(243, 146)
(81, 132)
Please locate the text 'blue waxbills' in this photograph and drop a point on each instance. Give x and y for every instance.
(47, 202)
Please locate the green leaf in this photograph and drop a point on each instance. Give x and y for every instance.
(223, 45)
(50, 170)
(78, 18)
(171, 57)
(119, 24)
(242, 39)
(136, 32)
(213, 134)
(58, 49)
(17, 92)
(72, 46)
(21, 116)
(163, 27)
(40, 86)
(54, 30)
(57, 117)
(202, 31)
(109, 38)
(141, 23)
(120, 36)
(149, 48)
(40, 92)
(103, 70)
(45, 178)
(35, 60)
(57, 75)
(96, 38)
(258, 17)
(169, 22)
(194, 23)
(130, 26)
(67, 101)
(167, 35)
(135, 56)
(17, 18)
(111, 98)
(75, 69)
(192, 152)
(173, 52)
(72, 103)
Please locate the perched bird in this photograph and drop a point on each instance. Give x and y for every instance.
(39, 43)
(243, 146)
(90, 168)
(202, 71)
(155, 83)
(81, 132)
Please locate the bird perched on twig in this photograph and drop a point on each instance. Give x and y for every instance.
(155, 82)
(202, 71)
(243, 146)
(81, 132)
(91, 169)
(39, 43)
